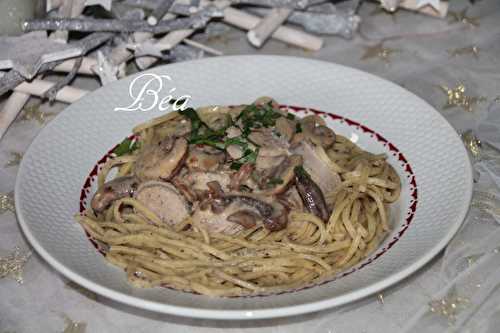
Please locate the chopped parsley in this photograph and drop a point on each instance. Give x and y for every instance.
(301, 172)
(274, 181)
(127, 146)
(290, 116)
(249, 156)
(298, 128)
(252, 117)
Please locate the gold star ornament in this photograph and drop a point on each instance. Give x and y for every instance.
(13, 264)
(15, 159)
(7, 202)
(379, 51)
(462, 17)
(458, 98)
(472, 143)
(474, 50)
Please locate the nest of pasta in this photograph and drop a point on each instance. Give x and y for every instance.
(238, 201)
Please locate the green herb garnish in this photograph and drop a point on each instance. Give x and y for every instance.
(290, 116)
(298, 128)
(257, 117)
(249, 156)
(301, 172)
(127, 146)
(274, 181)
(250, 118)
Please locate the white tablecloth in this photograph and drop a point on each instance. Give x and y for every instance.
(45, 301)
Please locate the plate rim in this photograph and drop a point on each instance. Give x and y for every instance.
(265, 313)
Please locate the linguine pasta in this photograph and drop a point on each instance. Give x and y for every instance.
(195, 255)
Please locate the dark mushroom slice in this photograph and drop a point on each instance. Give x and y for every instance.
(274, 215)
(215, 189)
(204, 158)
(115, 189)
(185, 190)
(162, 159)
(241, 176)
(311, 194)
(246, 218)
(265, 209)
(163, 199)
(278, 219)
(292, 199)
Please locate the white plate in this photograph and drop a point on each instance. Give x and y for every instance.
(434, 168)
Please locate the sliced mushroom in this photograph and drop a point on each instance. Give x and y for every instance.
(215, 189)
(285, 127)
(233, 132)
(204, 158)
(311, 194)
(278, 219)
(216, 117)
(323, 135)
(246, 218)
(241, 176)
(267, 138)
(280, 177)
(292, 199)
(314, 129)
(185, 189)
(274, 215)
(235, 151)
(176, 127)
(113, 190)
(162, 159)
(217, 222)
(266, 100)
(198, 180)
(316, 164)
(164, 200)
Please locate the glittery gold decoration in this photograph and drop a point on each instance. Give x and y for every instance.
(457, 97)
(73, 326)
(462, 17)
(81, 290)
(15, 159)
(7, 202)
(474, 50)
(34, 113)
(378, 51)
(486, 202)
(449, 307)
(472, 144)
(471, 260)
(13, 264)
(380, 298)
